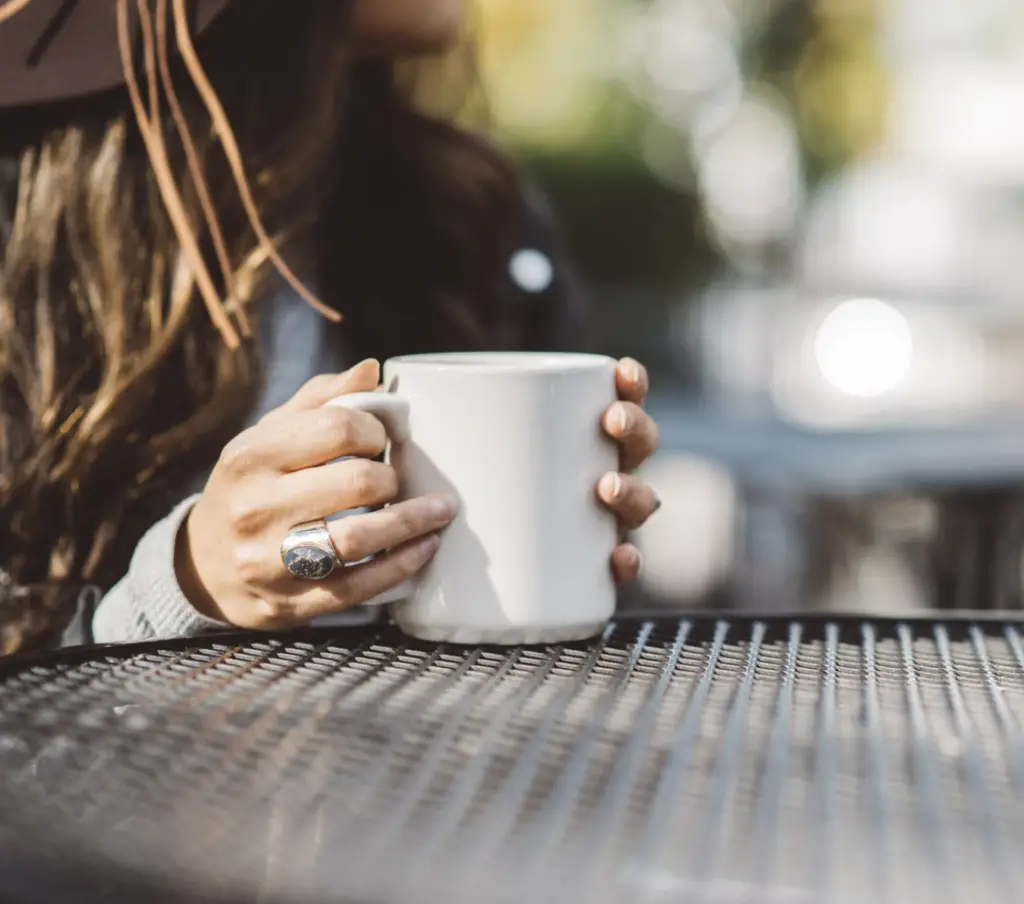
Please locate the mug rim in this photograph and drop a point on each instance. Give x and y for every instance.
(506, 362)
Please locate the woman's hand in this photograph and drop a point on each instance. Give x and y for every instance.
(632, 500)
(282, 472)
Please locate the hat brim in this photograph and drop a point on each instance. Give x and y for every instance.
(57, 50)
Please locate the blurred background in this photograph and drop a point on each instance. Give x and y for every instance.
(807, 218)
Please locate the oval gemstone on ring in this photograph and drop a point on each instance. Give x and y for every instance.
(309, 562)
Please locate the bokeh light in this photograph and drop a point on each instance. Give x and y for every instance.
(864, 347)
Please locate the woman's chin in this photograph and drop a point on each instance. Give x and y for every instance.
(432, 26)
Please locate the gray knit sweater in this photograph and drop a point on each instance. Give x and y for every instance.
(147, 602)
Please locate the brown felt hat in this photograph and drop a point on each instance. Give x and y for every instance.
(53, 50)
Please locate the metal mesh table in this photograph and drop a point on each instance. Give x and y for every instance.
(693, 759)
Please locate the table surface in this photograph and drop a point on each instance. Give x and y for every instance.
(790, 759)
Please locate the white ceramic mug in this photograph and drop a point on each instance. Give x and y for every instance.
(516, 438)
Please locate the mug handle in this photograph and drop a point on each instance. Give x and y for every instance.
(393, 412)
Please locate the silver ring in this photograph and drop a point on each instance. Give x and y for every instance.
(308, 551)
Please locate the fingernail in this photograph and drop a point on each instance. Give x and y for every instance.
(618, 488)
(619, 419)
(442, 508)
(428, 545)
(631, 369)
(614, 486)
(638, 560)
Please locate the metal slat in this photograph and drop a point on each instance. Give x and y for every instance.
(777, 768)
(873, 796)
(709, 846)
(657, 831)
(826, 764)
(593, 845)
(1010, 729)
(925, 765)
(551, 824)
(973, 766)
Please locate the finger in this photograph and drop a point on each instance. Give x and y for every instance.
(632, 500)
(336, 487)
(360, 536)
(303, 439)
(358, 584)
(627, 563)
(319, 390)
(631, 381)
(634, 430)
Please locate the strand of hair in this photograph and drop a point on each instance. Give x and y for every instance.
(234, 158)
(156, 130)
(195, 168)
(11, 8)
(162, 172)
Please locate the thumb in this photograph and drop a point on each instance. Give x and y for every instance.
(318, 391)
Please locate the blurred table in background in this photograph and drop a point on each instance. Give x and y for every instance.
(767, 514)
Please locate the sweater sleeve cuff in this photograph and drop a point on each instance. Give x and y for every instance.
(149, 603)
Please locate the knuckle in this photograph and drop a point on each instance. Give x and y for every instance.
(346, 536)
(376, 436)
(410, 565)
(362, 479)
(389, 481)
(247, 514)
(410, 523)
(371, 481)
(239, 457)
(318, 384)
(357, 430)
(408, 562)
(247, 562)
(344, 597)
(341, 425)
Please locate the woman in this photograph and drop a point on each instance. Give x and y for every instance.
(146, 317)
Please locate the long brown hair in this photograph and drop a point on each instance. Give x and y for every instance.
(115, 386)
